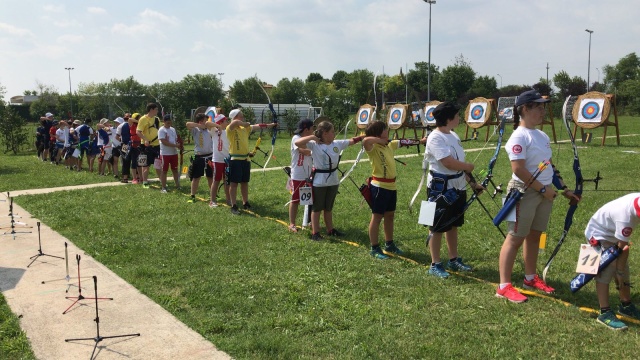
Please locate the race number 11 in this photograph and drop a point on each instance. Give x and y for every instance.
(588, 260)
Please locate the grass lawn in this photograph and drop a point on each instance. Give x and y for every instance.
(256, 291)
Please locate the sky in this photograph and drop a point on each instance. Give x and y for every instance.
(162, 41)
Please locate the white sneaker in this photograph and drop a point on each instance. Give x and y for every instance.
(163, 191)
(213, 204)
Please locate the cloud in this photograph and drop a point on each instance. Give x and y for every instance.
(70, 39)
(96, 10)
(13, 30)
(66, 24)
(54, 8)
(150, 22)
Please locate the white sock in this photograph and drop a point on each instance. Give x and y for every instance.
(529, 277)
(504, 285)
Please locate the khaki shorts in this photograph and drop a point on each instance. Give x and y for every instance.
(605, 276)
(532, 211)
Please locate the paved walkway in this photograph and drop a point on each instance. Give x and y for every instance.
(40, 306)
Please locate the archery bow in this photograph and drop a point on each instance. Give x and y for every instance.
(274, 130)
(573, 204)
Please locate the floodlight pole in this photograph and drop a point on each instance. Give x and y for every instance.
(500, 80)
(430, 2)
(589, 60)
(70, 99)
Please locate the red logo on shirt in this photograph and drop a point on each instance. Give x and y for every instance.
(517, 149)
(626, 232)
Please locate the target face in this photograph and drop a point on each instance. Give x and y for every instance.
(477, 112)
(396, 116)
(210, 113)
(363, 117)
(591, 110)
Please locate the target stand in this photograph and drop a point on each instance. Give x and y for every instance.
(592, 110)
(548, 120)
(480, 112)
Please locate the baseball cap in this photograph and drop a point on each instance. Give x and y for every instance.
(104, 121)
(135, 117)
(167, 117)
(234, 113)
(48, 115)
(219, 119)
(77, 122)
(303, 125)
(446, 110)
(530, 96)
(119, 120)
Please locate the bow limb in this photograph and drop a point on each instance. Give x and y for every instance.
(346, 175)
(274, 130)
(573, 204)
(421, 184)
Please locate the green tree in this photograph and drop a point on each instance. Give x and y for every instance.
(627, 68)
(418, 80)
(12, 129)
(394, 88)
(569, 86)
(484, 86)
(48, 101)
(360, 88)
(314, 77)
(247, 91)
(456, 79)
(340, 79)
(289, 91)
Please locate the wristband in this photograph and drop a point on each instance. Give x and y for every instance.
(357, 139)
(262, 125)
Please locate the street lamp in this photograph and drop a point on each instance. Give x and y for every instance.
(430, 2)
(500, 80)
(598, 70)
(70, 99)
(589, 61)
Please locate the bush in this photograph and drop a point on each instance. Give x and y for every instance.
(12, 131)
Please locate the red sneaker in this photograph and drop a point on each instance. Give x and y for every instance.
(538, 284)
(510, 293)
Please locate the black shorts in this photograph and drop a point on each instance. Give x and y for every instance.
(239, 171)
(133, 156)
(115, 152)
(152, 153)
(200, 167)
(445, 212)
(383, 200)
(45, 142)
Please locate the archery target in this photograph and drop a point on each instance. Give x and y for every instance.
(211, 113)
(478, 112)
(397, 114)
(366, 115)
(429, 120)
(591, 110)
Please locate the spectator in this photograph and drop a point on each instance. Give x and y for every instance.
(168, 153)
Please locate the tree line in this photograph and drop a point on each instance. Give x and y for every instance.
(339, 96)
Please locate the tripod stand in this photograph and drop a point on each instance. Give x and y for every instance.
(40, 253)
(13, 222)
(98, 338)
(80, 296)
(68, 278)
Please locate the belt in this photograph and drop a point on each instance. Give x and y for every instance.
(444, 176)
(384, 180)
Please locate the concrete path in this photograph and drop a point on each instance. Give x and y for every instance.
(40, 306)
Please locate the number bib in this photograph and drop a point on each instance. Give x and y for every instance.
(588, 260)
(305, 195)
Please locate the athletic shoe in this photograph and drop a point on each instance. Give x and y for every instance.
(377, 253)
(335, 232)
(458, 265)
(630, 311)
(234, 210)
(510, 293)
(213, 204)
(124, 181)
(145, 185)
(316, 236)
(392, 248)
(438, 270)
(538, 284)
(293, 228)
(192, 200)
(163, 191)
(246, 206)
(610, 320)
(135, 181)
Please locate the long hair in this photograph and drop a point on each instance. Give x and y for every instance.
(323, 127)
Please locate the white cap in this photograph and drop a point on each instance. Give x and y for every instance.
(48, 114)
(119, 120)
(234, 113)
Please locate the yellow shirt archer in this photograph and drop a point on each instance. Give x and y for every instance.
(239, 142)
(149, 129)
(383, 164)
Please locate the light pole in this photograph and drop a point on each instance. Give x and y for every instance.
(589, 61)
(430, 2)
(70, 98)
(598, 70)
(500, 80)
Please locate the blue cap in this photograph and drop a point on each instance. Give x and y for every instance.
(530, 96)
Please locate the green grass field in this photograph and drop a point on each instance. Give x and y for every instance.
(256, 291)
